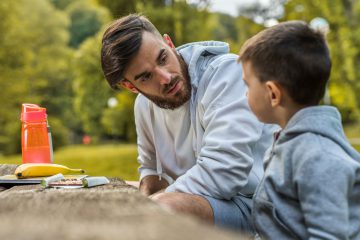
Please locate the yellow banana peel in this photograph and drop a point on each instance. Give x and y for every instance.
(27, 170)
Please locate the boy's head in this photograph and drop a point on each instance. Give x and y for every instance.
(293, 58)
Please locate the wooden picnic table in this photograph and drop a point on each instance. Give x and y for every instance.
(113, 211)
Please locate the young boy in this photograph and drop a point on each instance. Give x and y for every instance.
(311, 186)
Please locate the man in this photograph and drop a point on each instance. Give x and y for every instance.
(198, 141)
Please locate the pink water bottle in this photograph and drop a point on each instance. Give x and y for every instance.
(35, 135)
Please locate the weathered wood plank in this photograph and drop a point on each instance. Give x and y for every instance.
(113, 211)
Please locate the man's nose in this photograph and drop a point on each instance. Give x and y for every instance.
(163, 75)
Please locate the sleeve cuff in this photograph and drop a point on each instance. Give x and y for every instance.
(147, 172)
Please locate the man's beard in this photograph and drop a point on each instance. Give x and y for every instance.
(181, 97)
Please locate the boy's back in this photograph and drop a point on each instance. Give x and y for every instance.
(311, 186)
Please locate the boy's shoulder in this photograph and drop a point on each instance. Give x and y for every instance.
(318, 153)
(317, 132)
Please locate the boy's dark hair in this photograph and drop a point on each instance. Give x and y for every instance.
(120, 43)
(295, 56)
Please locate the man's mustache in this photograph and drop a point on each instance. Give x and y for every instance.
(171, 84)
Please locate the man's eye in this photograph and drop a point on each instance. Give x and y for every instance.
(146, 77)
(163, 59)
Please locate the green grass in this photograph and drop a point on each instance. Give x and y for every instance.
(118, 160)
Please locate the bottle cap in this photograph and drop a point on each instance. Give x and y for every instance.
(32, 112)
(29, 107)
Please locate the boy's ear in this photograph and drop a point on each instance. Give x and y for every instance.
(275, 93)
(128, 85)
(168, 41)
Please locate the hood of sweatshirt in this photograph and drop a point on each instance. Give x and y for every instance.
(320, 120)
(194, 53)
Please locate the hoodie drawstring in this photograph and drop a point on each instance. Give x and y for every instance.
(159, 169)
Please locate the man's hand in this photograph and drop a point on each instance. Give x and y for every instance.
(152, 184)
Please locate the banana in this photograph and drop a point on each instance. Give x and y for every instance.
(43, 170)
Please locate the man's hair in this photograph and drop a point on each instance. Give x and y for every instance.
(120, 43)
(293, 55)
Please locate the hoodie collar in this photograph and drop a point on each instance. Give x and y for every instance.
(312, 116)
(191, 53)
(319, 120)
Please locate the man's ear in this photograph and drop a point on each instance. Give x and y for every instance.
(168, 41)
(128, 85)
(275, 93)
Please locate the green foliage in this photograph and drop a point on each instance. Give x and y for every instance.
(247, 28)
(61, 4)
(352, 132)
(343, 40)
(59, 132)
(33, 56)
(178, 20)
(227, 29)
(119, 120)
(48, 74)
(86, 20)
(90, 87)
(120, 7)
(357, 147)
(10, 72)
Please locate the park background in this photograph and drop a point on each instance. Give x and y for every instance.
(50, 55)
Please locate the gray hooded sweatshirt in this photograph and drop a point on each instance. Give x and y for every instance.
(311, 186)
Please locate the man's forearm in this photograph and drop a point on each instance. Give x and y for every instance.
(152, 184)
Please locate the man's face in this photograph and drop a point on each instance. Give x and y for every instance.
(257, 94)
(159, 73)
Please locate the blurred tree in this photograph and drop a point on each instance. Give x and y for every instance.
(246, 29)
(120, 7)
(61, 4)
(86, 20)
(48, 72)
(261, 12)
(344, 42)
(92, 94)
(91, 89)
(183, 22)
(33, 57)
(11, 81)
(227, 30)
(119, 120)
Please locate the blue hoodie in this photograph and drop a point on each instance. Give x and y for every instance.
(311, 186)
